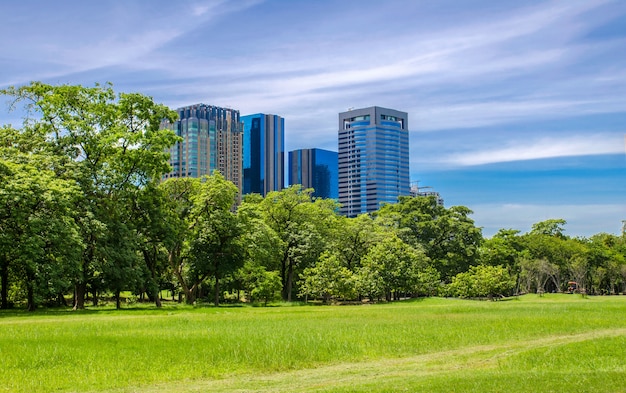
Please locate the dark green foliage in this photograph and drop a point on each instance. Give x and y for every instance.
(39, 240)
(448, 236)
(302, 226)
(215, 247)
(109, 147)
(260, 284)
(328, 279)
(392, 268)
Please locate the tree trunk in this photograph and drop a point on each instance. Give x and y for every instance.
(118, 304)
(61, 299)
(95, 296)
(289, 282)
(157, 299)
(79, 296)
(30, 295)
(173, 258)
(283, 279)
(4, 284)
(190, 295)
(216, 266)
(157, 290)
(284, 275)
(150, 262)
(217, 291)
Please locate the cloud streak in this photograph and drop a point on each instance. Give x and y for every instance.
(460, 77)
(540, 149)
(126, 37)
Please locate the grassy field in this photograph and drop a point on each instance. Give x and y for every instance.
(556, 343)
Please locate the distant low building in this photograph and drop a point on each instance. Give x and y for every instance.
(426, 192)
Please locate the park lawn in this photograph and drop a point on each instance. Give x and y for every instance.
(554, 343)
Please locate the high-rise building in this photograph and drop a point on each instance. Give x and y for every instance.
(373, 159)
(263, 153)
(315, 168)
(211, 141)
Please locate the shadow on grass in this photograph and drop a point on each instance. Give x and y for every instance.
(138, 308)
(150, 308)
(147, 308)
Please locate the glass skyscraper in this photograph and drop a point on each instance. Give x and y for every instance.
(263, 153)
(373, 159)
(211, 141)
(315, 168)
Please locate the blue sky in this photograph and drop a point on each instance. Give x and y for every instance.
(517, 109)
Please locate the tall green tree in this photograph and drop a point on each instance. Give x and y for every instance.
(151, 214)
(328, 279)
(391, 268)
(553, 227)
(536, 272)
(260, 246)
(203, 235)
(39, 240)
(111, 145)
(302, 225)
(216, 247)
(504, 248)
(547, 243)
(351, 239)
(180, 195)
(447, 235)
(606, 262)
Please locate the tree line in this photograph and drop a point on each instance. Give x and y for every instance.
(84, 214)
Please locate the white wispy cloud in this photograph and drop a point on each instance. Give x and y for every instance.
(215, 8)
(125, 37)
(547, 147)
(490, 111)
(201, 9)
(523, 51)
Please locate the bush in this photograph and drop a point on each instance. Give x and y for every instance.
(481, 281)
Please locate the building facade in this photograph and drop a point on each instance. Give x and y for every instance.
(317, 169)
(263, 153)
(212, 140)
(373, 159)
(417, 191)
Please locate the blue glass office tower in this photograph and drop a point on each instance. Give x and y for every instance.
(211, 141)
(263, 153)
(373, 159)
(315, 168)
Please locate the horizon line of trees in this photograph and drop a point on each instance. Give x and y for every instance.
(84, 214)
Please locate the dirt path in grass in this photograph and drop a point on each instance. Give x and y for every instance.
(361, 373)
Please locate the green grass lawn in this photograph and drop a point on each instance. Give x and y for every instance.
(556, 343)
